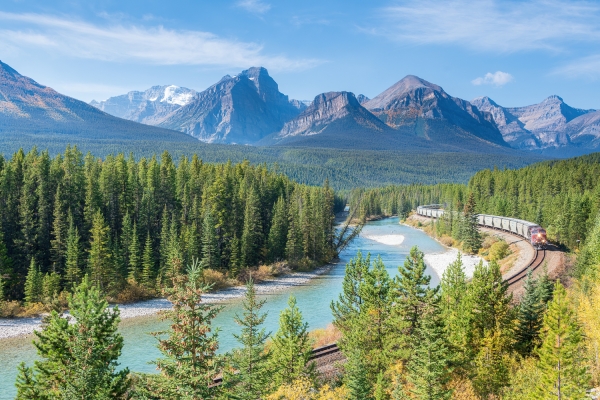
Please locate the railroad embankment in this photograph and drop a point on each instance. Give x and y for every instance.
(522, 256)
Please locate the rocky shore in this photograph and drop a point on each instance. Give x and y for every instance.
(12, 327)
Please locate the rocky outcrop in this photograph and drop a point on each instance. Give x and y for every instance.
(241, 109)
(412, 103)
(149, 107)
(327, 108)
(551, 124)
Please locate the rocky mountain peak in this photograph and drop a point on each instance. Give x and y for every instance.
(408, 90)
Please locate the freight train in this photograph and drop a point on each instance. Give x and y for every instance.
(528, 230)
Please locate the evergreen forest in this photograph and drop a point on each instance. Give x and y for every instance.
(132, 225)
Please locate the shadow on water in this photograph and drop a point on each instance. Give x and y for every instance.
(313, 299)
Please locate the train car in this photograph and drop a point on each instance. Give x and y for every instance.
(528, 230)
(537, 237)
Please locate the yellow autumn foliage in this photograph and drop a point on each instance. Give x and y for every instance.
(590, 319)
(302, 389)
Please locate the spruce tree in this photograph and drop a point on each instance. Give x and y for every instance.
(189, 362)
(564, 374)
(455, 310)
(278, 232)
(490, 302)
(356, 377)
(412, 291)
(100, 257)
(147, 278)
(134, 266)
(293, 247)
(250, 361)
(210, 249)
(470, 231)
(291, 347)
(78, 360)
(73, 256)
(6, 268)
(251, 242)
(530, 312)
(33, 284)
(428, 368)
(59, 234)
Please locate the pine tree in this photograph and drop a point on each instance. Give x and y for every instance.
(210, 245)
(147, 277)
(470, 232)
(100, 257)
(529, 317)
(59, 234)
(278, 232)
(455, 310)
(73, 256)
(428, 368)
(78, 360)
(250, 361)
(490, 302)
(491, 369)
(564, 374)
(293, 247)
(6, 269)
(189, 362)
(251, 242)
(412, 290)
(291, 347)
(134, 270)
(33, 284)
(50, 286)
(356, 378)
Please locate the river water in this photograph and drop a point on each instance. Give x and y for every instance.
(384, 238)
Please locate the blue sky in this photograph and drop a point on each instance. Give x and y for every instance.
(516, 52)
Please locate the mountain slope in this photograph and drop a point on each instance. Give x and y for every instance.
(149, 107)
(550, 126)
(425, 109)
(337, 120)
(28, 108)
(241, 109)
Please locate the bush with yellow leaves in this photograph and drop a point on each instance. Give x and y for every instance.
(302, 389)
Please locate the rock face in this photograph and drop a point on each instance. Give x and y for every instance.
(417, 105)
(362, 99)
(26, 107)
(149, 107)
(241, 109)
(546, 126)
(328, 113)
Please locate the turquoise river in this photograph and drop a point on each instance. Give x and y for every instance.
(380, 238)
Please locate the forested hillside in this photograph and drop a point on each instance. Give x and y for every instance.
(562, 196)
(127, 222)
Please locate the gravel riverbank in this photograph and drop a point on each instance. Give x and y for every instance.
(12, 327)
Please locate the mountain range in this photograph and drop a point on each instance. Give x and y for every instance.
(550, 127)
(413, 113)
(28, 109)
(249, 109)
(149, 107)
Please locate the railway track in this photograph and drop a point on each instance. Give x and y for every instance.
(537, 261)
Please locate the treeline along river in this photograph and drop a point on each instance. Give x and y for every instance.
(313, 299)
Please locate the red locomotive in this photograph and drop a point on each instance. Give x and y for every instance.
(537, 235)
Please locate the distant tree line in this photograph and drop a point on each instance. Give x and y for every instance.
(123, 221)
(562, 196)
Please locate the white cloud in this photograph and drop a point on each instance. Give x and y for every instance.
(587, 67)
(497, 79)
(131, 43)
(254, 6)
(492, 25)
